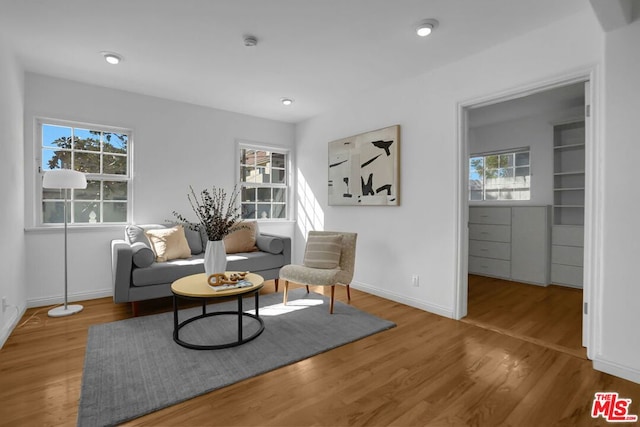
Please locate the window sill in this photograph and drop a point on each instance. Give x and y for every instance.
(75, 228)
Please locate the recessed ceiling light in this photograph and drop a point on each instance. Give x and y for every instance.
(286, 101)
(112, 58)
(426, 27)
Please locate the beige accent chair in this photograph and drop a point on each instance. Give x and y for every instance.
(308, 276)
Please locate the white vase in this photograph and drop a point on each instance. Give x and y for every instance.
(215, 257)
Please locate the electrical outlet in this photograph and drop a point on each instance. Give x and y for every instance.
(415, 281)
(4, 304)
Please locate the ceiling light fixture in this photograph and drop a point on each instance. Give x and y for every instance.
(286, 101)
(426, 27)
(112, 58)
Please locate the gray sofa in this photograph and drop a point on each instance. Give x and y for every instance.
(136, 277)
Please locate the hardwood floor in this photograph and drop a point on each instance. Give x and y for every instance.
(429, 370)
(550, 316)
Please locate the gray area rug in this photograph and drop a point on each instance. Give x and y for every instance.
(133, 367)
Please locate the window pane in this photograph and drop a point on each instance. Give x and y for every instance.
(86, 212)
(248, 211)
(115, 212)
(522, 159)
(115, 190)
(53, 212)
(278, 176)
(92, 192)
(492, 194)
(279, 211)
(248, 174)
(279, 195)
(264, 210)
(57, 159)
(115, 142)
(52, 194)
(87, 162)
(247, 157)
(114, 165)
(506, 160)
(491, 162)
(264, 194)
(278, 160)
(85, 139)
(56, 136)
(505, 172)
(248, 195)
(522, 171)
(475, 195)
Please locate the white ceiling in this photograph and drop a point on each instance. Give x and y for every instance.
(318, 52)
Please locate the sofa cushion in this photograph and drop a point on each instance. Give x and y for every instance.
(323, 251)
(170, 271)
(169, 243)
(142, 255)
(242, 240)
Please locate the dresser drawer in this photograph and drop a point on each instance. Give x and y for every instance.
(493, 233)
(486, 249)
(568, 255)
(489, 267)
(566, 275)
(490, 215)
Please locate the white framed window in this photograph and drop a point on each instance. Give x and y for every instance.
(103, 154)
(504, 175)
(263, 181)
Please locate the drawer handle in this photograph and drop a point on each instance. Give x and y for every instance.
(484, 216)
(484, 232)
(484, 250)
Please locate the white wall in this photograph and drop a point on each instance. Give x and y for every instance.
(174, 145)
(620, 296)
(419, 236)
(12, 249)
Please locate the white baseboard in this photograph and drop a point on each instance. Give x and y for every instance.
(80, 296)
(617, 370)
(403, 299)
(11, 324)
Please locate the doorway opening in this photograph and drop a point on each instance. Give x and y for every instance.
(522, 164)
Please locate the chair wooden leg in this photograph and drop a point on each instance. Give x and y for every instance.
(276, 280)
(307, 288)
(333, 291)
(348, 293)
(285, 290)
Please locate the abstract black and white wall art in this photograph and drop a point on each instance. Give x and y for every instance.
(364, 168)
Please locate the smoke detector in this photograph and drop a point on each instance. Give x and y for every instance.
(250, 41)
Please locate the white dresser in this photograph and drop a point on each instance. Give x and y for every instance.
(510, 242)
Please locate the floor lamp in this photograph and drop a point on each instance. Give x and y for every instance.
(64, 179)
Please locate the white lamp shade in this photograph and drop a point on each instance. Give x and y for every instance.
(64, 178)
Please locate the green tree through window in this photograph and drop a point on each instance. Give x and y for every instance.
(102, 154)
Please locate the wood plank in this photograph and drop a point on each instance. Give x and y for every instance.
(428, 370)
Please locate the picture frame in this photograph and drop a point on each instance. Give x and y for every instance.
(364, 169)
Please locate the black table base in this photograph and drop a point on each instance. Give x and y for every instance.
(239, 313)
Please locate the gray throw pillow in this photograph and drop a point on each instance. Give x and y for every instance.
(271, 244)
(143, 256)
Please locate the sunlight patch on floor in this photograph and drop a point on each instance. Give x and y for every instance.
(279, 309)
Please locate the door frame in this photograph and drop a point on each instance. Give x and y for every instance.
(594, 187)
